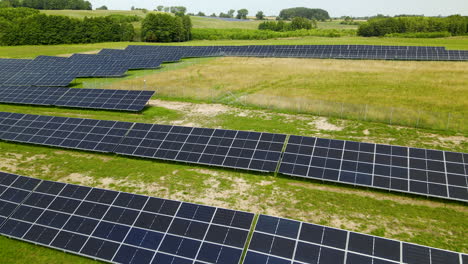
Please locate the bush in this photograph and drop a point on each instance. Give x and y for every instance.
(253, 34)
(420, 35)
(296, 24)
(166, 28)
(301, 23)
(455, 25)
(11, 14)
(125, 19)
(41, 29)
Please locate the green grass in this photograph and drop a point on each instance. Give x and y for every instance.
(410, 93)
(54, 50)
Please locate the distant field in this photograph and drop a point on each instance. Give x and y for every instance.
(198, 22)
(202, 22)
(54, 50)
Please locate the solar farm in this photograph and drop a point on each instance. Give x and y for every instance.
(114, 175)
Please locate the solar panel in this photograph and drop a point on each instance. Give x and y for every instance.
(419, 171)
(306, 51)
(124, 100)
(125, 228)
(216, 147)
(283, 241)
(14, 190)
(76, 133)
(31, 95)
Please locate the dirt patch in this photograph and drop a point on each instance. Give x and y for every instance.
(84, 52)
(78, 178)
(265, 183)
(321, 123)
(457, 140)
(8, 164)
(80, 155)
(366, 132)
(192, 112)
(193, 109)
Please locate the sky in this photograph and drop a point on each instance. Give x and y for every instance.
(336, 8)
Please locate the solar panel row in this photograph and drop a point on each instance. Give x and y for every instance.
(309, 51)
(124, 100)
(283, 241)
(119, 227)
(425, 172)
(411, 170)
(217, 147)
(122, 227)
(57, 71)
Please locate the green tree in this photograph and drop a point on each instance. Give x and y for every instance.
(231, 13)
(102, 8)
(260, 15)
(166, 28)
(242, 13)
(178, 9)
(300, 23)
(309, 13)
(201, 14)
(160, 8)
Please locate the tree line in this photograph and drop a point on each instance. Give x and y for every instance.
(23, 26)
(48, 5)
(456, 25)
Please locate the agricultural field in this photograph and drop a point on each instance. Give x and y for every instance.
(235, 93)
(198, 22)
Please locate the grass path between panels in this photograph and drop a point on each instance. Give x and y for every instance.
(397, 216)
(54, 50)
